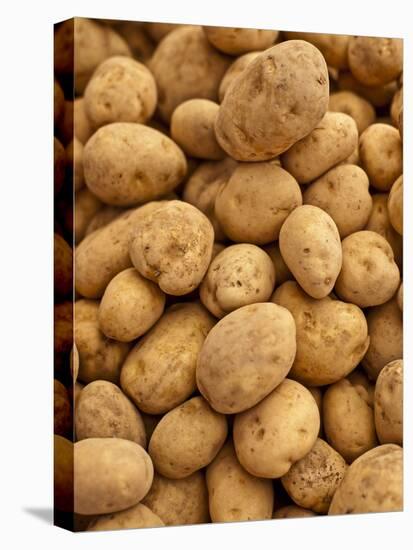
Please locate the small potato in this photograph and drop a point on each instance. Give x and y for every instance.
(179, 501)
(120, 90)
(255, 201)
(379, 222)
(245, 356)
(103, 217)
(234, 494)
(395, 205)
(388, 403)
(333, 46)
(241, 274)
(58, 102)
(375, 61)
(187, 439)
(379, 96)
(159, 372)
(74, 161)
(312, 481)
(343, 192)
(360, 110)
(386, 337)
(280, 430)
(62, 410)
(104, 411)
(400, 297)
(396, 106)
(381, 155)
(369, 275)
(110, 475)
(173, 247)
(292, 511)
(282, 273)
(63, 327)
(332, 336)
(332, 140)
(192, 128)
(82, 127)
(348, 419)
(118, 176)
(136, 517)
(310, 246)
(140, 44)
(236, 41)
(86, 206)
(59, 165)
(373, 483)
(63, 266)
(63, 474)
(130, 306)
(233, 71)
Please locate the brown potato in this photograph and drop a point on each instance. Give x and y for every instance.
(396, 106)
(136, 517)
(379, 222)
(292, 511)
(282, 273)
(63, 327)
(63, 473)
(63, 266)
(400, 297)
(82, 127)
(236, 41)
(333, 46)
(233, 71)
(65, 126)
(375, 61)
(62, 414)
(74, 163)
(59, 165)
(388, 403)
(103, 217)
(379, 96)
(140, 44)
(58, 102)
(86, 206)
(360, 110)
(395, 205)
(158, 31)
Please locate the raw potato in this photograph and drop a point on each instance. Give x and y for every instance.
(276, 101)
(331, 141)
(62, 413)
(236, 41)
(278, 431)
(400, 297)
(395, 205)
(396, 106)
(110, 475)
(241, 274)
(137, 39)
(332, 336)
(82, 127)
(157, 31)
(373, 483)
(369, 275)
(245, 356)
(121, 90)
(343, 192)
(312, 481)
(333, 46)
(187, 439)
(105, 215)
(381, 155)
(63, 266)
(58, 102)
(65, 127)
(360, 110)
(388, 403)
(104, 411)
(119, 176)
(233, 71)
(310, 246)
(173, 247)
(130, 306)
(255, 201)
(63, 327)
(63, 474)
(179, 501)
(59, 156)
(234, 494)
(375, 61)
(86, 206)
(136, 517)
(282, 273)
(379, 222)
(379, 96)
(159, 372)
(74, 161)
(292, 511)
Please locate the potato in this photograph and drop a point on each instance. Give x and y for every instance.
(82, 127)
(268, 108)
(104, 411)
(110, 475)
(63, 474)
(187, 439)
(62, 414)
(233, 71)
(86, 206)
(396, 106)
(312, 481)
(310, 246)
(255, 201)
(179, 501)
(130, 306)
(173, 247)
(245, 356)
(278, 431)
(63, 48)
(59, 156)
(381, 155)
(74, 362)
(63, 266)
(86, 310)
(333, 46)
(136, 517)
(373, 483)
(120, 90)
(63, 327)
(332, 140)
(282, 273)
(159, 372)
(388, 403)
(369, 275)
(332, 336)
(379, 222)
(292, 511)
(74, 162)
(400, 297)
(186, 66)
(137, 39)
(360, 110)
(58, 102)
(236, 41)
(103, 217)
(119, 177)
(241, 274)
(343, 192)
(364, 387)
(395, 205)
(66, 124)
(375, 61)
(317, 393)
(348, 419)
(379, 96)
(157, 31)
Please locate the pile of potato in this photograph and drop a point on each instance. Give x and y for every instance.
(233, 349)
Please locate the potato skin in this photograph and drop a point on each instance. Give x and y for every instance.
(103, 217)
(63, 266)
(332, 336)
(373, 483)
(63, 473)
(236, 41)
(360, 110)
(395, 205)
(245, 356)
(159, 372)
(250, 103)
(63, 327)
(264, 454)
(400, 297)
(136, 517)
(187, 439)
(74, 163)
(62, 413)
(101, 466)
(233, 71)
(375, 61)
(388, 403)
(58, 102)
(282, 273)
(333, 46)
(86, 206)
(82, 127)
(59, 161)
(104, 411)
(292, 511)
(310, 246)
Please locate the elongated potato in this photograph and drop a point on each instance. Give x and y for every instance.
(388, 403)
(136, 517)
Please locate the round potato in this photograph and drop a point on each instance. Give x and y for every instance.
(136, 517)
(333, 46)
(59, 156)
(268, 107)
(62, 414)
(388, 403)
(86, 206)
(375, 61)
(293, 511)
(63, 266)
(236, 41)
(233, 71)
(82, 127)
(63, 473)
(187, 439)
(280, 430)
(379, 221)
(379, 96)
(241, 274)
(245, 356)
(395, 205)
(360, 110)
